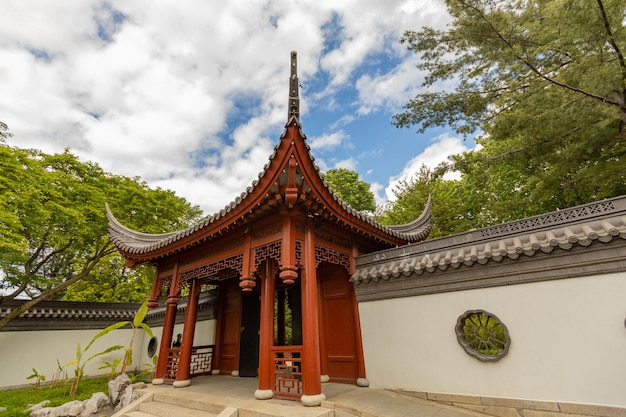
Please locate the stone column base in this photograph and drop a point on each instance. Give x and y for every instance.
(215, 372)
(324, 378)
(158, 381)
(362, 382)
(264, 394)
(235, 372)
(312, 400)
(182, 384)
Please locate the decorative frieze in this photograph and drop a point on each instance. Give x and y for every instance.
(332, 256)
(268, 232)
(272, 250)
(216, 270)
(557, 217)
(328, 237)
(211, 251)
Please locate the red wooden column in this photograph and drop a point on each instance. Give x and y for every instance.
(219, 331)
(311, 385)
(266, 337)
(362, 379)
(168, 329)
(183, 378)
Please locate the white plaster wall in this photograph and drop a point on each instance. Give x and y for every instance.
(568, 342)
(21, 351)
(204, 335)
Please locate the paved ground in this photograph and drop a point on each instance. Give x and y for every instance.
(347, 400)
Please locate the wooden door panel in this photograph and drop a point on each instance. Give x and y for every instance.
(338, 325)
(229, 357)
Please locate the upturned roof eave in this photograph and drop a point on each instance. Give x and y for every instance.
(145, 247)
(396, 235)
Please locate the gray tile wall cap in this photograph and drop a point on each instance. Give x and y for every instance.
(49, 315)
(580, 225)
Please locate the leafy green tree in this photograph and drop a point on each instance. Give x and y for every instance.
(112, 281)
(347, 185)
(53, 227)
(4, 132)
(455, 208)
(544, 84)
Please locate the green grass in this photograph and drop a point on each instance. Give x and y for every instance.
(16, 401)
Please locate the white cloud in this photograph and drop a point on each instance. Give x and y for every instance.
(349, 163)
(389, 90)
(442, 146)
(159, 89)
(329, 140)
(378, 190)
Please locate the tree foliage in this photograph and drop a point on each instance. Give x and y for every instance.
(543, 82)
(4, 132)
(347, 185)
(454, 207)
(53, 227)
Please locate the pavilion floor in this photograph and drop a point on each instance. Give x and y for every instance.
(341, 400)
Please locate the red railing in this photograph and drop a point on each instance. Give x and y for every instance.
(201, 358)
(287, 372)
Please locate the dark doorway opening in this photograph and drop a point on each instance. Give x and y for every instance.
(250, 325)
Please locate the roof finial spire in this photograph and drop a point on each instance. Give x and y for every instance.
(294, 98)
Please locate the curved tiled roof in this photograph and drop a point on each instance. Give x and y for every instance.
(135, 242)
(64, 315)
(563, 229)
(67, 314)
(262, 192)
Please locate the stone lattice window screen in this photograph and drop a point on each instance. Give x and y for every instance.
(482, 335)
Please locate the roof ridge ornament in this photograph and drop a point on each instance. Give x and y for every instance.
(294, 98)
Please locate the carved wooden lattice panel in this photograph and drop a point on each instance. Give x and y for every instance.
(164, 286)
(201, 357)
(272, 250)
(287, 372)
(332, 256)
(173, 356)
(298, 252)
(219, 268)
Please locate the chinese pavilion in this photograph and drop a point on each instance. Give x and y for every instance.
(280, 256)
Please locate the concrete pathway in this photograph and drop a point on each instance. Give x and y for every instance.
(342, 400)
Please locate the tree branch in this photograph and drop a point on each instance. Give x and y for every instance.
(14, 294)
(29, 261)
(46, 258)
(616, 48)
(90, 264)
(609, 32)
(535, 69)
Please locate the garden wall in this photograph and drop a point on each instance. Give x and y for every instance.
(21, 351)
(52, 330)
(556, 282)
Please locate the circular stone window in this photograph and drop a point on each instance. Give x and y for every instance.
(482, 335)
(152, 346)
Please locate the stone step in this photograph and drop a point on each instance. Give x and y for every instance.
(137, 414)
(161, 409)
(189, 401)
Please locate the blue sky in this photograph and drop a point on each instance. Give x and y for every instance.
(192, 95)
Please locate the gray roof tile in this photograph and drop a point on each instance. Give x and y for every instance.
(581, 225)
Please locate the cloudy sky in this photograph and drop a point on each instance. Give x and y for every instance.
(191, 95)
